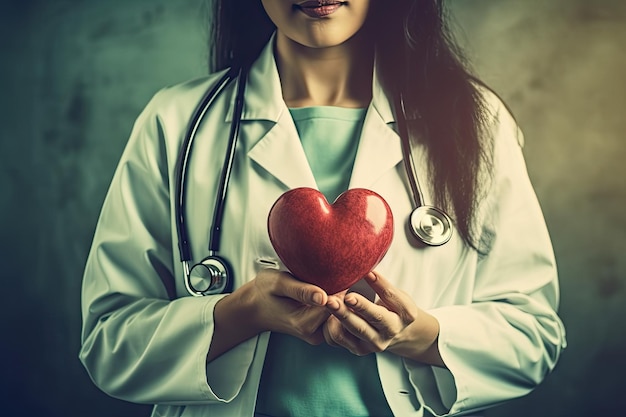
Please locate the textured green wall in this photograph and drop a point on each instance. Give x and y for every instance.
(75, 74)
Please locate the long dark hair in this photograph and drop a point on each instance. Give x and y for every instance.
(416, 58)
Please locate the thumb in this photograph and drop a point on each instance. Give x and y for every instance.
(303, 292)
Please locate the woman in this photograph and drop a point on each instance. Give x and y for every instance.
(433, 331)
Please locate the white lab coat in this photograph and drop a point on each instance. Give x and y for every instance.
(144, 340)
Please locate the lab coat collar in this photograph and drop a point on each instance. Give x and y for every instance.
(263, 95)
(272, 141)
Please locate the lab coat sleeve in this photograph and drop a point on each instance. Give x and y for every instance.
(504, 342)
(138, 343)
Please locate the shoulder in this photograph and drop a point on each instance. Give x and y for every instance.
(159, 129)
(167, 115)
(499, 121)
(178, 101)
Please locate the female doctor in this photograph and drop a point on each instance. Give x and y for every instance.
(434, 330)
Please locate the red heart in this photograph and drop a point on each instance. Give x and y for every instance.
(331, 246)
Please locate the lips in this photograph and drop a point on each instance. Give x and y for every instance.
(319, 8)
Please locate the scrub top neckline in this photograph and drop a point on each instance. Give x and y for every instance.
(328, 112)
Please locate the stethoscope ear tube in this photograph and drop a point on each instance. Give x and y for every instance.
(430, 225)
(184, 157)
(220, 200)
(213, 274)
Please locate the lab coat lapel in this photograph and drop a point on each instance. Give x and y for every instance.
(379, 148)
(280, 153)
(273, 142)
(267, 129)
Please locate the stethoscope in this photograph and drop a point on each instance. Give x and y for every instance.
(431, 225)
(213, 274)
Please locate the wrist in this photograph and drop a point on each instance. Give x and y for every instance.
(239, 309)
(419, 341)
(234, 320)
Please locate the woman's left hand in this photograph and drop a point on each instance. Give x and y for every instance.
(394, 323)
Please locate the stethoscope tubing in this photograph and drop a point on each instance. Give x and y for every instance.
(220, 201)
(212, 266)
(407, 155)
(185, 156)
(430, 225)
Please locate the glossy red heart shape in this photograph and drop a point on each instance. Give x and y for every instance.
(331, 246)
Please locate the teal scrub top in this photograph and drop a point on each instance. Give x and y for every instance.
(300, 379)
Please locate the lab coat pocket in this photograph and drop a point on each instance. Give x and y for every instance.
(267, 262)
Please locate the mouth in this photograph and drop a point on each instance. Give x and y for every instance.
(319, 8)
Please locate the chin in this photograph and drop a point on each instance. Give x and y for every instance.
(323, 36)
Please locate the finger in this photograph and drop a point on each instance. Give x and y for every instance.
(321, 316)
(341, 294)
(328, 330)
(316, 337)
(391, 297)
(387, 323)
(288, 286)
(352, 322)
(336, 335)
(306, 322)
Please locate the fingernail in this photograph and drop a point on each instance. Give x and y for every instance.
(350, 300)
(317, 298)
(332, 304)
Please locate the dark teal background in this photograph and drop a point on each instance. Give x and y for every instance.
(75, 74)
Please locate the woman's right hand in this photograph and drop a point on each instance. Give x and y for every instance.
(273, 301)
(287, 305)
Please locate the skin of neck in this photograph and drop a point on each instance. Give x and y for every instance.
(339, 76)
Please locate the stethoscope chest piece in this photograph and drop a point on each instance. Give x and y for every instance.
(431, 225)
(208, 277)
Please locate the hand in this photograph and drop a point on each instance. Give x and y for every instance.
(287, 305)
(394, 323)
(272, 301)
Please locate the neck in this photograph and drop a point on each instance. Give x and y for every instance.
(335, 76)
